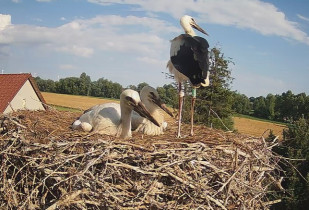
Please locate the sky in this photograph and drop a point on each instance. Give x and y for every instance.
(128, 41)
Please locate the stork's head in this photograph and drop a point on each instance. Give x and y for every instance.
(150, 94)
(187, 22)
(131, 99)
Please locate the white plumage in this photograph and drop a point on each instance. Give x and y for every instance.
(154, 105)
(112, 119)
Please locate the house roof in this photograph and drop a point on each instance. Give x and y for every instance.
(10, 84)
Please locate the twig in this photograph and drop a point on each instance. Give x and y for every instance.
(220, 119)
(231, 177)
(216, 202)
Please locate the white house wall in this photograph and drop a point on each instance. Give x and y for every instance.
(26, 98)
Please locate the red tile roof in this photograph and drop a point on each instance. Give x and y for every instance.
(10, 84)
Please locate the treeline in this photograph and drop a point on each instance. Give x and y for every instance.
(81, 86)
(286, 107)
(100, 88)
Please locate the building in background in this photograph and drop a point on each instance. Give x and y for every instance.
(19, 92)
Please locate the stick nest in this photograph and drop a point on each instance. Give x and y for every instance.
(46, 165)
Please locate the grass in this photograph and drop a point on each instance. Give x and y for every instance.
(257, 127)
(258, 119)
(62, 108)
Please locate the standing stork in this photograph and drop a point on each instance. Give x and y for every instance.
(189, 61)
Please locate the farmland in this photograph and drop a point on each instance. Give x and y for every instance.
(256, 127)
(242, 125)
(73, 101)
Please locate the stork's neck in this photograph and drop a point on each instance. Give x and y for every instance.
(149, 128)
(125, 122)
(154, 110)
(187, 28)
(190, 31)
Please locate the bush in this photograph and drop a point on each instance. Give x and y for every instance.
(295, 145)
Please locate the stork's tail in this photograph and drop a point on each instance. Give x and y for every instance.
(84, 126)
(205, 83)
(170, 66)
(76, 124)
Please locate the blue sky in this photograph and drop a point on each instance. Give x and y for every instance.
(127, 41)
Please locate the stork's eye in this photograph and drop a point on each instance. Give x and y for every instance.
(130, 100)
(193, 19)
(152, 95)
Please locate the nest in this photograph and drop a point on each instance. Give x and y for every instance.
(46, 165)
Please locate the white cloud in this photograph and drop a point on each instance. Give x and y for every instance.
(5, 20)
(77, 50)
(152, 61)
(83, 37)
(38, 19)
(114, 20)
(303, 17)
(260, 16)
(16, 1)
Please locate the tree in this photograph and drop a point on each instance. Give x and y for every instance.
(285, 104)
(141, 85)
(85, 84)
(270, 106)
(306, 107)
(300, 101)
(132, 87)
(116, 90)
(45, 85)
(69, 85)
(105, 88)
(295, 146)
(169, 94)
(259, 107)
(241, 103)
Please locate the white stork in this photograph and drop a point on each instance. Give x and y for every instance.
(154, 105)
(112, 119)
(189, 61)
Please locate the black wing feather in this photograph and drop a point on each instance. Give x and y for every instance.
(192, 58)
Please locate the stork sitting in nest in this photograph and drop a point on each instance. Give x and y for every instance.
(112, 118)
(154, 105)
